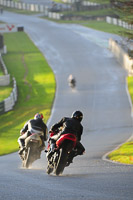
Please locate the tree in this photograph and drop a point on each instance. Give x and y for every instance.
(124, 9)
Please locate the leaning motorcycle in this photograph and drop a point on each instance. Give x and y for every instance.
(32, 150)
(72, 83)
(60, 157)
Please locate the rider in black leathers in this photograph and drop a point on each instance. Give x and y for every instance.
(35, 125)
(70, 125)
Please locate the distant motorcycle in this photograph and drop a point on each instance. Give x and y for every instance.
(71, 81)
(60, 157)
(32, 150)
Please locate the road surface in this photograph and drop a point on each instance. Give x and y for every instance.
(100, 94)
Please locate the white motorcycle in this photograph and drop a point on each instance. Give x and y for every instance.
(32, 150)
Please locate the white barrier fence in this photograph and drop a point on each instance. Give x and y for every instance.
(31, 7)
(54, 15)
(85, 3)
(25, 6)
(122, 57)
(119, 22)
(5, 79)
(70, 1)
(11, 100)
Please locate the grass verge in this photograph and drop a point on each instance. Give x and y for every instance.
(5, 92)
(101, 12)
(97, 25)
(100, 2)
(1, 73)
(124, 154)
(36, 88)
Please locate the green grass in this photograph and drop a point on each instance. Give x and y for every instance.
(36, 88)
(5, 92)
(1, 72)
(100, 1)
(94, 1)
(97, 25)
(130, 86)
(105, 27)
(124, 154)
(101, 12)
(58, 1)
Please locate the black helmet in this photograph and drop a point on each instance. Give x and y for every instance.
(78, 115)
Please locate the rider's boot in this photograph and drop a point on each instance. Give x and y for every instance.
(21, 150)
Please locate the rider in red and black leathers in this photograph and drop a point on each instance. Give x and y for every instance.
(70, 125)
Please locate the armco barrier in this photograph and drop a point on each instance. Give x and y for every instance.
(85, 3)
(9, 102)
(119, 22)
(122, 57)
(5, 79)
(3, 65)
(25, 6)
(44, 9)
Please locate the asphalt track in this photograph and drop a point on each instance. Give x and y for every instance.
(100, 94)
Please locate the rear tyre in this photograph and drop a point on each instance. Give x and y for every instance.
(49, 170)
(28, 160)
(31, 155)
(61, 162)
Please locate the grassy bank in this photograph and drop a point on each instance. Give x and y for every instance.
(36, 88)
(99, 1)
(5, 92)
(124, 154)
(1, 73)
(97, 25)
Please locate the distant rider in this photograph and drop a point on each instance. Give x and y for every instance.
(35, 125)
(71, 81)
(69, 125)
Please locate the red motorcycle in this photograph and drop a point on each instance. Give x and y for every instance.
(59, 159)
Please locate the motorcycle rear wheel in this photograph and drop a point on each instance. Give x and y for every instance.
(49, 170)
(61, 162)
(28, 160)
(31, 155)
